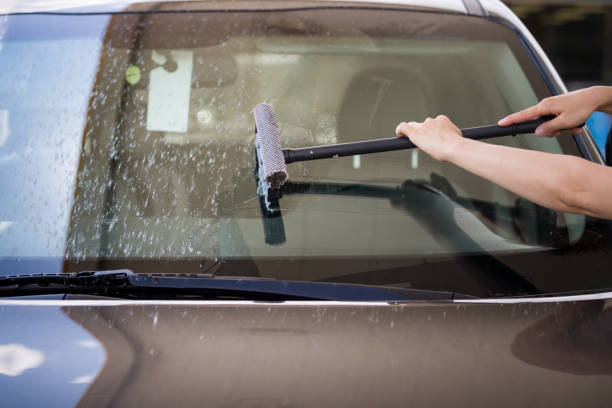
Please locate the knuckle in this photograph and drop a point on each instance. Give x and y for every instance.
(546, 103)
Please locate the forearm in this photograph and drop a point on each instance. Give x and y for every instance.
(561, 182)
(551, 180)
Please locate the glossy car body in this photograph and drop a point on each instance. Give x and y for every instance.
(542, 350)
(105, 353)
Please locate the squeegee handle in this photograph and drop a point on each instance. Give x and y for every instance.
(399, 143)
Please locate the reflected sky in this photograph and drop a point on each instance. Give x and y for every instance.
(37, 369)
(47, 71)
(16, 358)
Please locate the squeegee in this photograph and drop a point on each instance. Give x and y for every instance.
(272, 159)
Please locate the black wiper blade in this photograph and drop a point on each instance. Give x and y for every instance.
(262, 287)
(126, 284)
(97, 282)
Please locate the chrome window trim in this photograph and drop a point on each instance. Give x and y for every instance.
(301, 303)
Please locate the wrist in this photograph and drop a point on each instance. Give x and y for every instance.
(455, 149)
(602, 97)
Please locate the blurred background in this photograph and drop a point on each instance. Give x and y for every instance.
(577, 37)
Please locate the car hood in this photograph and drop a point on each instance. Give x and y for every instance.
(237, 354)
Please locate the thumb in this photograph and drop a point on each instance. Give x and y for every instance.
(401, 129)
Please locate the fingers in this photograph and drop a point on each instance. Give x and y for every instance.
(448, 124)
(403, 129)
(549, 128)
(436, 137)
(524, 115)
(571, 109)
(440, 123)
(554, 126)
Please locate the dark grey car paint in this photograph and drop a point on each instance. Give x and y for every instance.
(353, 355)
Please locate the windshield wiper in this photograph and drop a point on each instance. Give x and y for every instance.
(126, 284)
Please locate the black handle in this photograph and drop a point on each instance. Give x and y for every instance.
(399, 143)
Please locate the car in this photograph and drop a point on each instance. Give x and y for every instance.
(139, 264)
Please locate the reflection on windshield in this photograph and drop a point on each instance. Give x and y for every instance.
(45, 85)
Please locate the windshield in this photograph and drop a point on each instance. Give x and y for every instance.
(127, 141)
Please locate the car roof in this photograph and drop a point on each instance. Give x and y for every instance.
(477, 7)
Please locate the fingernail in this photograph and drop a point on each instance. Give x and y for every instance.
(539, 132)
(501, 122)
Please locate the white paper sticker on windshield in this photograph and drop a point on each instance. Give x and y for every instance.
(168, 105)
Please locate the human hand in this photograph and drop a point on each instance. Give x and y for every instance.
(436, 137)
(571, 110)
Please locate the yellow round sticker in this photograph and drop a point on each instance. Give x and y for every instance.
(132, 75)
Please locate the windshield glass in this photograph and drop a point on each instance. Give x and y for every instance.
(127, 141)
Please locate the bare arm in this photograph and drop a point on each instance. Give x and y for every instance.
(560, 182)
